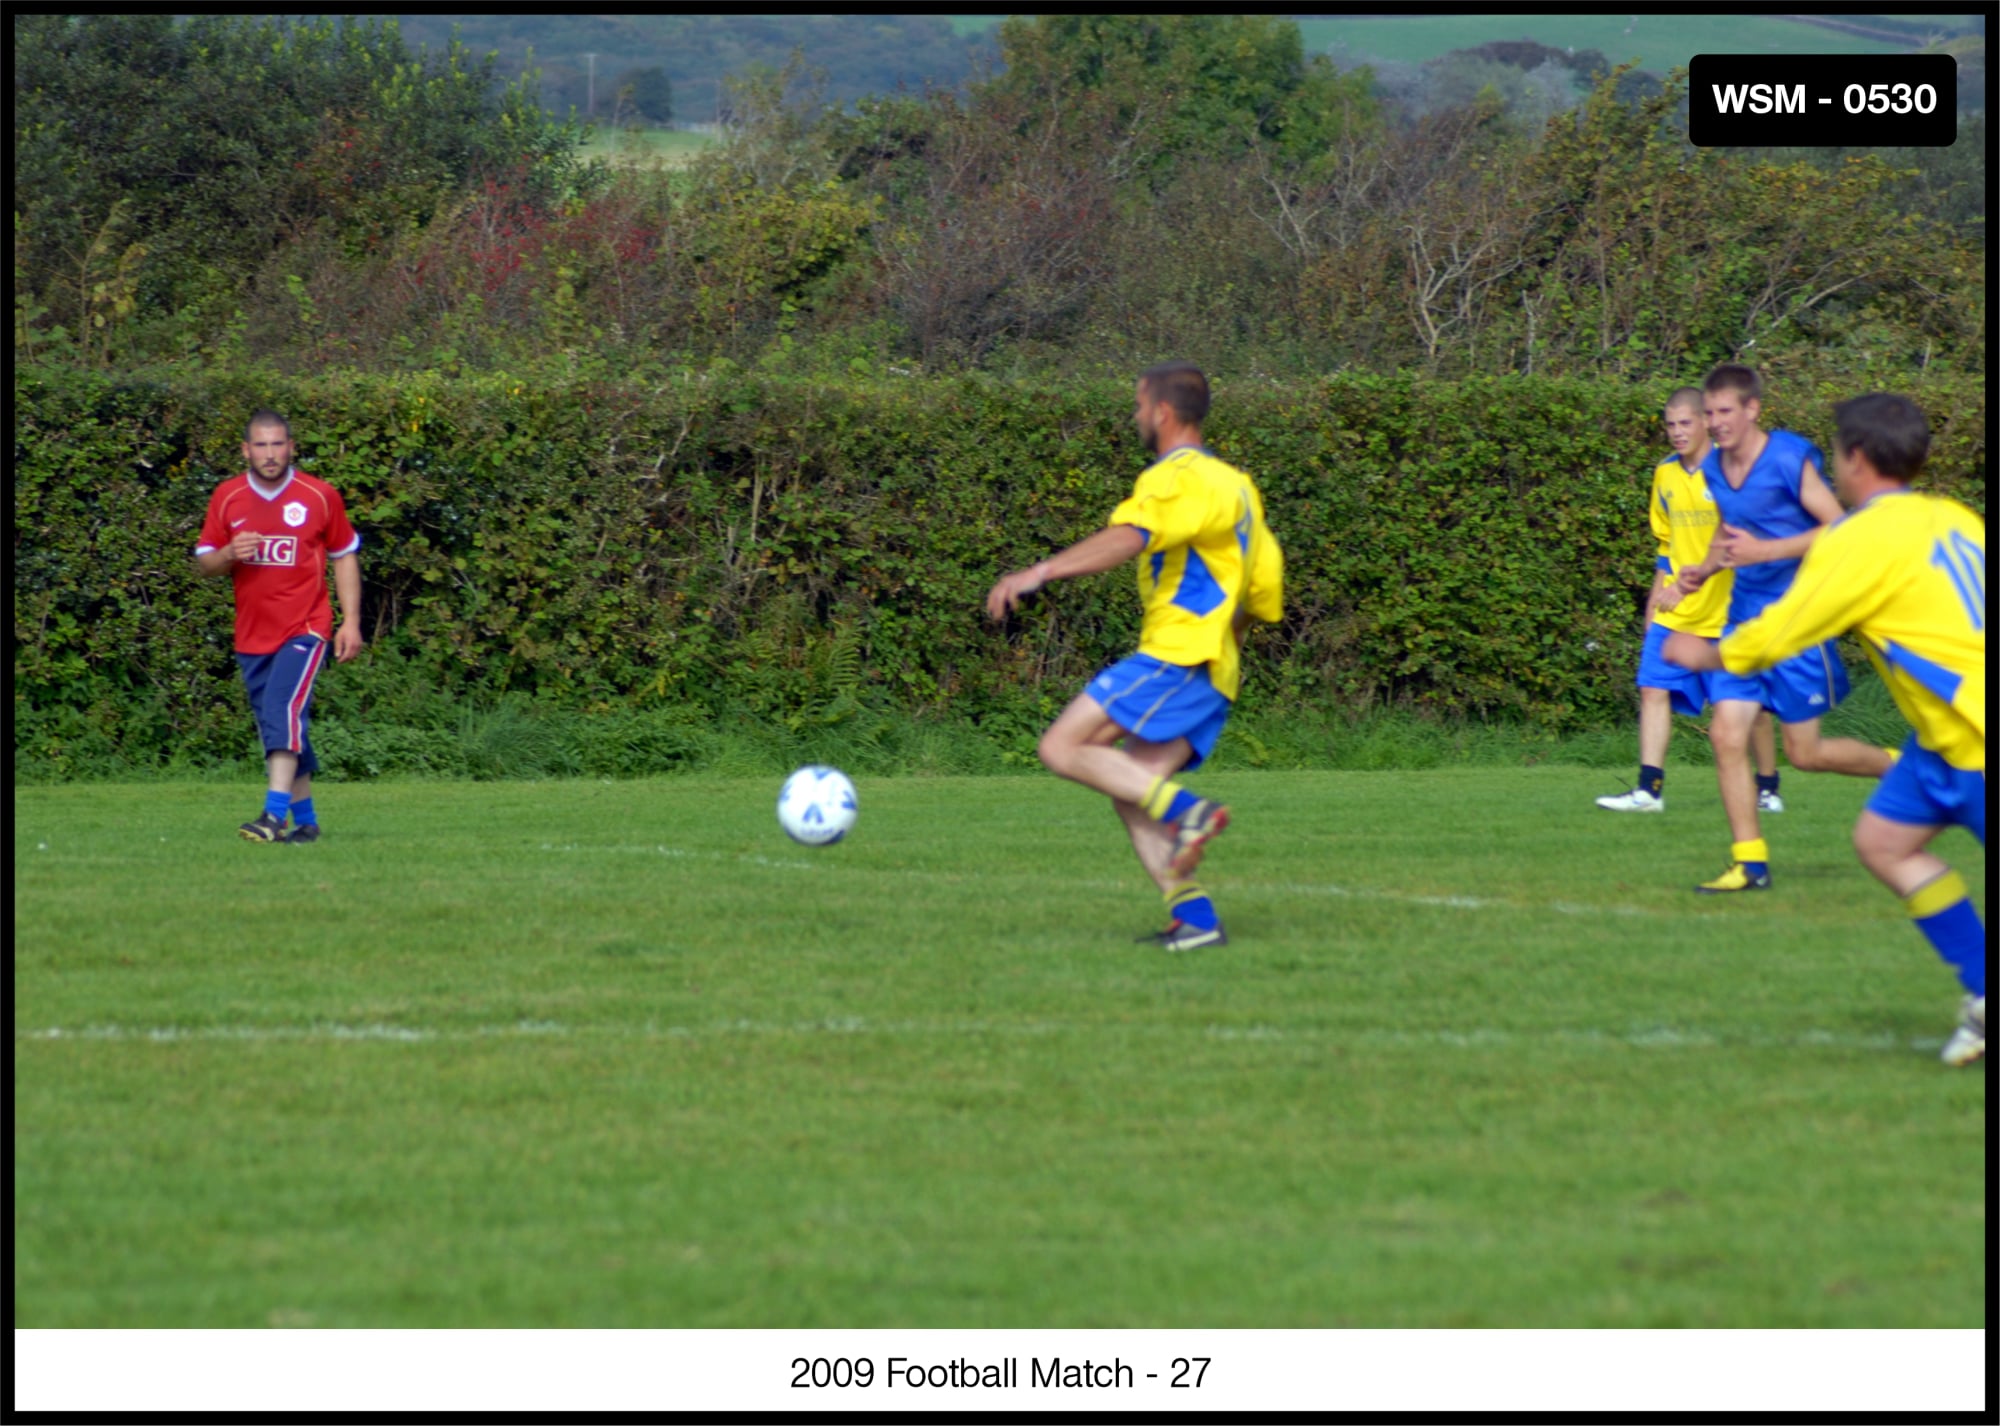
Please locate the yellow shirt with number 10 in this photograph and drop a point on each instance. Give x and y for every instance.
(1906, 572)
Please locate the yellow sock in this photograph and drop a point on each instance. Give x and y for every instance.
(1159, 797)
(1934, 896)
(1754, 851)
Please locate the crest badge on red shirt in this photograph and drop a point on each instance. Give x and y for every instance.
(295, 513)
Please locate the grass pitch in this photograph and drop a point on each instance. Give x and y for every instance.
(647, 148)
(595, 1054)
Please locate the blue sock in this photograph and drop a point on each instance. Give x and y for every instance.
(1945, 916)
(1767, 784)
(302, 812)
(276, 803)
(1191, 904)
(1651, 779)
(1178, 808)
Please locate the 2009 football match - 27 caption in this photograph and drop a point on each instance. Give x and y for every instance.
(1006, 1373)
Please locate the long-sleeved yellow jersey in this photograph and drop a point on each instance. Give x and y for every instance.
(1208, 552)
(1907, 573)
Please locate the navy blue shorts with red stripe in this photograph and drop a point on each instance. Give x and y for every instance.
(280, 685)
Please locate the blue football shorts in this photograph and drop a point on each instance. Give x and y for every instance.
(1687, 688)
(1161, 701)
(1923, 790)
(280, 685)
(1808, 685)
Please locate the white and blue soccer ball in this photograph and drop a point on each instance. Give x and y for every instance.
(817, 806)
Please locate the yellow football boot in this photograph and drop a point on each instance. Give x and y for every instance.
(1736, 877)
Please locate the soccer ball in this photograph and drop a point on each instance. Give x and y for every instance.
(816, 806)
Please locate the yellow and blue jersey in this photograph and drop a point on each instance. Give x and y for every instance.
(1208, 553)
(1684, 518)
(1907, 573)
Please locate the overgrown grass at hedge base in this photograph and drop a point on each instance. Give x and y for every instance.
(781, 552)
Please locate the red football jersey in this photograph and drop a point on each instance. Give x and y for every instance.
(281, 592)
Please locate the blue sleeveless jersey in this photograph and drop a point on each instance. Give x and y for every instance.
(1767, 505)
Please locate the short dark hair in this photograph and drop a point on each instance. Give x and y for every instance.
(1892, 431)
(1685, 396)
(1180, 385)
(1733, 376)
(266, 417)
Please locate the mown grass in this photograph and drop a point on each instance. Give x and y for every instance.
(587, 1053)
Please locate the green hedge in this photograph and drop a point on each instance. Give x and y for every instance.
(727, 546)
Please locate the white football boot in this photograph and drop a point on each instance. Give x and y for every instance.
(1968, 1041)
(1770, 802)
(1637, 800)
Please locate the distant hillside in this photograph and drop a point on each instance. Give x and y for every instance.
(861, 54)
(877, 54)
(1657, 41)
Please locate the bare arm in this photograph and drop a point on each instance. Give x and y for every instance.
(347, 587)
(242, 546)
(1107, 549)
(1666, 593)
(1817, 497)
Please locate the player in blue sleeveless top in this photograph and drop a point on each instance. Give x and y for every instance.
(1773, 500)
(1683, 518)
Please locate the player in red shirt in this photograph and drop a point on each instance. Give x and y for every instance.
(274, 528)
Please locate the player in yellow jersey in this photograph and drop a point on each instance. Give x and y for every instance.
(1683, 517)
(1907, 572)
(1208, 565)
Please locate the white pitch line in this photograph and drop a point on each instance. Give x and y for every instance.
(750, 858)
(1642, 1037)
(1459, 903)
(399, 1034)
(1412, 898)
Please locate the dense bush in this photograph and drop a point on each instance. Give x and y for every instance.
(731, 549)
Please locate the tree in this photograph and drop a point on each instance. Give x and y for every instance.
(1185, 85)
(218, 139)
(1946, 184)
(646, 95)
